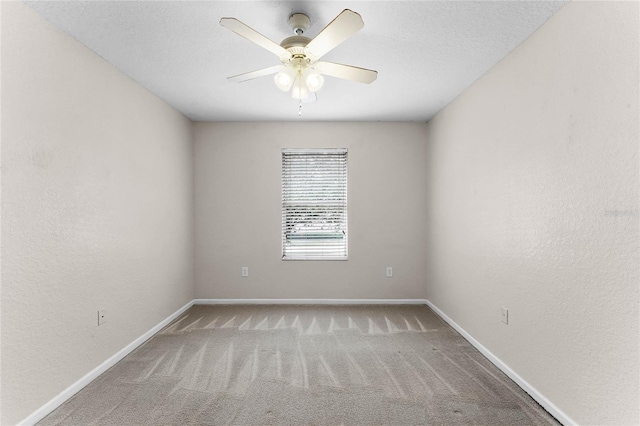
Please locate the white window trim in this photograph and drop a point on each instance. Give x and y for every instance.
(344, 225)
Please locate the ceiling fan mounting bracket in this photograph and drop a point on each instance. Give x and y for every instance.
(299, 23)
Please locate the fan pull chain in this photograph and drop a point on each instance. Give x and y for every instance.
(300, 109)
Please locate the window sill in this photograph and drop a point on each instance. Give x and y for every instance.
(315, 259)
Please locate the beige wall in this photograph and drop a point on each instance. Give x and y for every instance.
(528, 183)
(238, 211)
(96, 211)
(533, 195)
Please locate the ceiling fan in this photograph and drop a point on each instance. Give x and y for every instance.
(301, 69)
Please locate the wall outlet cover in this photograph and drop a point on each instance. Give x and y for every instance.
(504, 315)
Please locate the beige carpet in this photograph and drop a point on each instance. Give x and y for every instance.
(303, 365)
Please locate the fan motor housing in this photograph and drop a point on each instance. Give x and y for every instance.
(299, 23)
(295, 42)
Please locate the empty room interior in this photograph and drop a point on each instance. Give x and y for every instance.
(394, 212)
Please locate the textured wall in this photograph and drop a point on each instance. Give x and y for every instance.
(97, 213)
(238, 211)
(533, 195)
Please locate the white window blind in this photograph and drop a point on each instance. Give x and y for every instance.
(314, 204)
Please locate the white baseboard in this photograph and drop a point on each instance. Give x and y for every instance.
(309, 301)
(63, 396)
(533, 392)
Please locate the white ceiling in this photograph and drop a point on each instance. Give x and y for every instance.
(425, 52)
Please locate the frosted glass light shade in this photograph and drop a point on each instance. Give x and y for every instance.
(314, 81)
(300, 90)
(284, 79)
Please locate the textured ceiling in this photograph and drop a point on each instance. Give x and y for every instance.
(426, 53)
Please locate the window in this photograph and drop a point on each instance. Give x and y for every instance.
(314, 204)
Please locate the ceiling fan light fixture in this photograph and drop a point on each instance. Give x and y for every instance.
(284, 80)
(314, 80)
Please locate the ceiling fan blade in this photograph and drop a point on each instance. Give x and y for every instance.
(255, 74)
(347, 72)
(252, 35)
(346, 24)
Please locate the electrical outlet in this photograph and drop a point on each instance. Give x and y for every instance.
(389, 272)
(245, 271)
(504, 316)
(102, 316)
